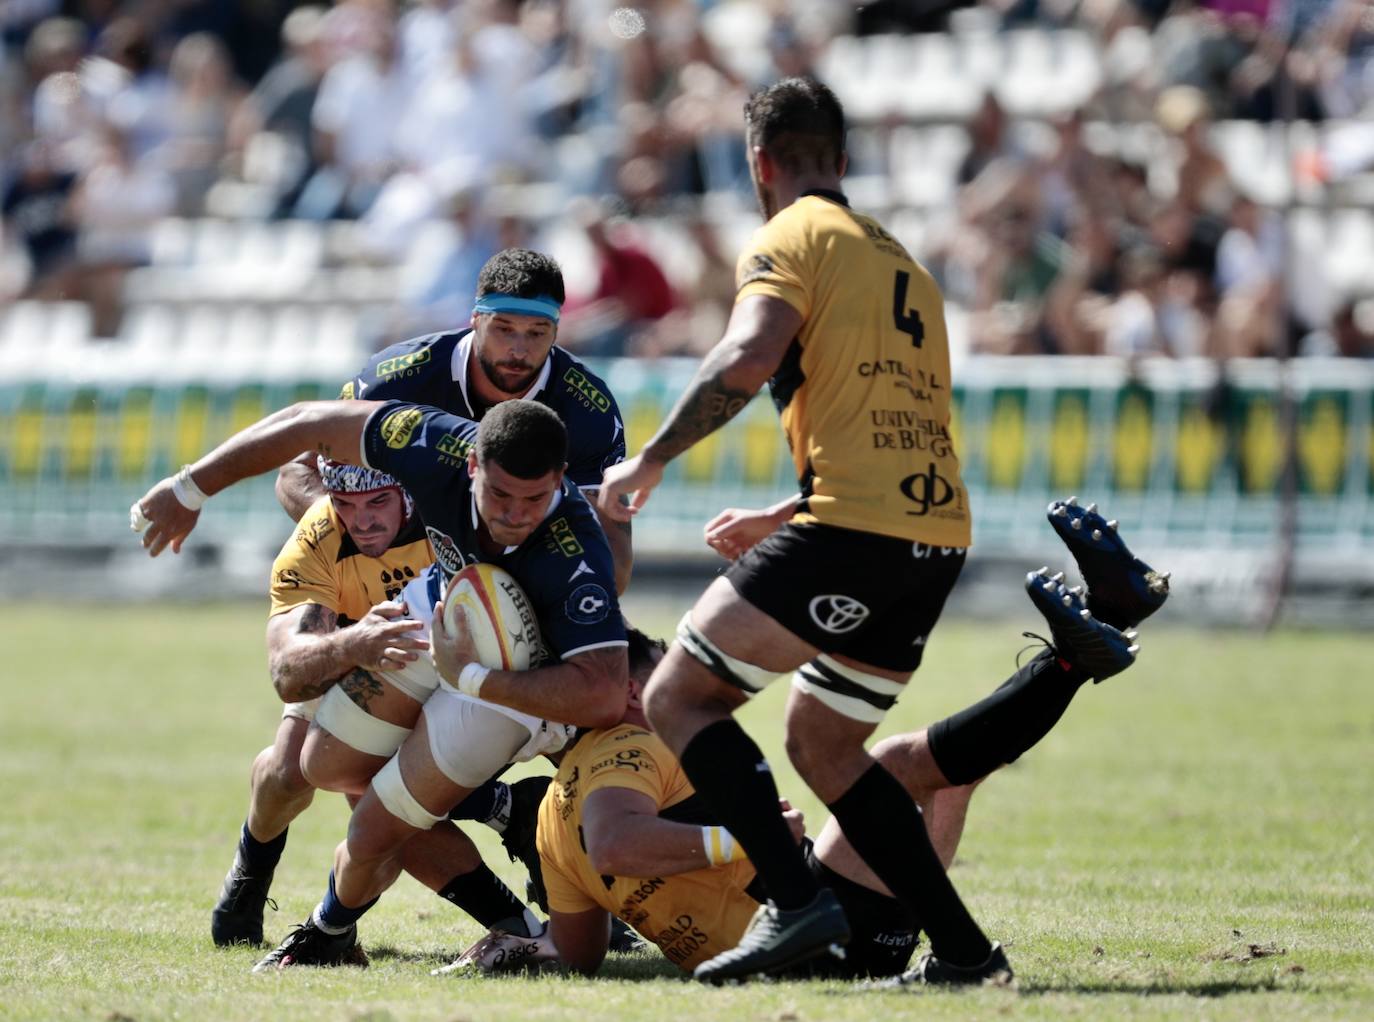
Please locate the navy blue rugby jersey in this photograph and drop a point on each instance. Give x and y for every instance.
(432, 370)
(564, 565)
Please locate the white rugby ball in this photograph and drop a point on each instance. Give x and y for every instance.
(500, 617)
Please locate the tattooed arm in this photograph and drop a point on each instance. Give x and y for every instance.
(307, 653)
(760, 331)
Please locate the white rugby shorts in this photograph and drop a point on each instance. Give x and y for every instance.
(455, 720)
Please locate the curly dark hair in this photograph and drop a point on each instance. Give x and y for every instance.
(641, 649)
(520, 272)
(799, 123)
(525, 438)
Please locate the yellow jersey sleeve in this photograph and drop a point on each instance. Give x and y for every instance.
(564, 893)
(304, 571)
(776, 263)
(625, 758)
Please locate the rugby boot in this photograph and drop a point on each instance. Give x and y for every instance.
(307, 944)
(1094, 647)
(777, 940)
(518, 837)
(237, 917)
(500, 951)
(624, 940)
(931, 971)
(1122, 589)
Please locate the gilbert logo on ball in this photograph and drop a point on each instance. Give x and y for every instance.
(499, 617)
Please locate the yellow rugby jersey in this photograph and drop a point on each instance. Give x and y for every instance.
(692, 916)
(320, 564)
(864, 391)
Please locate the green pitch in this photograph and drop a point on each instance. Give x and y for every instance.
(1195, 840)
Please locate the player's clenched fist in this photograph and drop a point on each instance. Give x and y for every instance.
(385, 639)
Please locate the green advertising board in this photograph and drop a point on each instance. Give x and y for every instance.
(1183, 455)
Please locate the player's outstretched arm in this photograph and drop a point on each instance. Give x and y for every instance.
(307, 653)
(757, 338)
(586, 690)
(332, 428)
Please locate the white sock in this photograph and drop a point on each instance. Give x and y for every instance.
(320, 924)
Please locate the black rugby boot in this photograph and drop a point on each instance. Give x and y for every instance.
(237, 917)
(307, 944)
(777, 940)
(1122, 589)
(1094, 647)
(931, 971)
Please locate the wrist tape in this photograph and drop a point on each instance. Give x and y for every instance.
(470, 679)
(721, 846)
(184, 488)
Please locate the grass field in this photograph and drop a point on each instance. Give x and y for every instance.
(1195, 840)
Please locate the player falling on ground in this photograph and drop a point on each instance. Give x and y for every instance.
(849, 332)
(622, 834)
(333, 620)
(493, 493)
(508, 353)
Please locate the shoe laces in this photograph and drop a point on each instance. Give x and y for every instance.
(1040, 643)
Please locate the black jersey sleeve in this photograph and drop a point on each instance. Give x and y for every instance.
(570, 580)
(422, 446)
(417, 370)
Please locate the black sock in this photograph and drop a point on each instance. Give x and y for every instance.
(259, 858)
(332, 916)
(489, 804)
(730, 773)
(482, 895)
(882, 822)
(1000, 727)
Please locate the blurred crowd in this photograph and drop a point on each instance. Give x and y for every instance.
(451, 128)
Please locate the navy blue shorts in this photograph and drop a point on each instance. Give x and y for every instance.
(860, 594)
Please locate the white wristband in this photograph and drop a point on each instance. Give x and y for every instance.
(186, 491)
(470, 679)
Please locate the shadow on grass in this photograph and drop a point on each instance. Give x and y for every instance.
(388, 953)
(640, 966)
(1138, 988)
(1156, 987)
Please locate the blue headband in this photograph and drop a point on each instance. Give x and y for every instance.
(497, 302)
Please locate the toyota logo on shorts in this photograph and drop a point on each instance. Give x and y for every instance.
(838, 613)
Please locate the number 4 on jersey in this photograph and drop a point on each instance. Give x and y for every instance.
(908, 320)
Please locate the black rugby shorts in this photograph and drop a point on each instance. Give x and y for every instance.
(860, 594)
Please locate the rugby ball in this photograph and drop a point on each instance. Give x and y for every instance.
(499, 616)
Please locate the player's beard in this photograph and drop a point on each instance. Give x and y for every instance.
(766, 204)
(497, 374)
